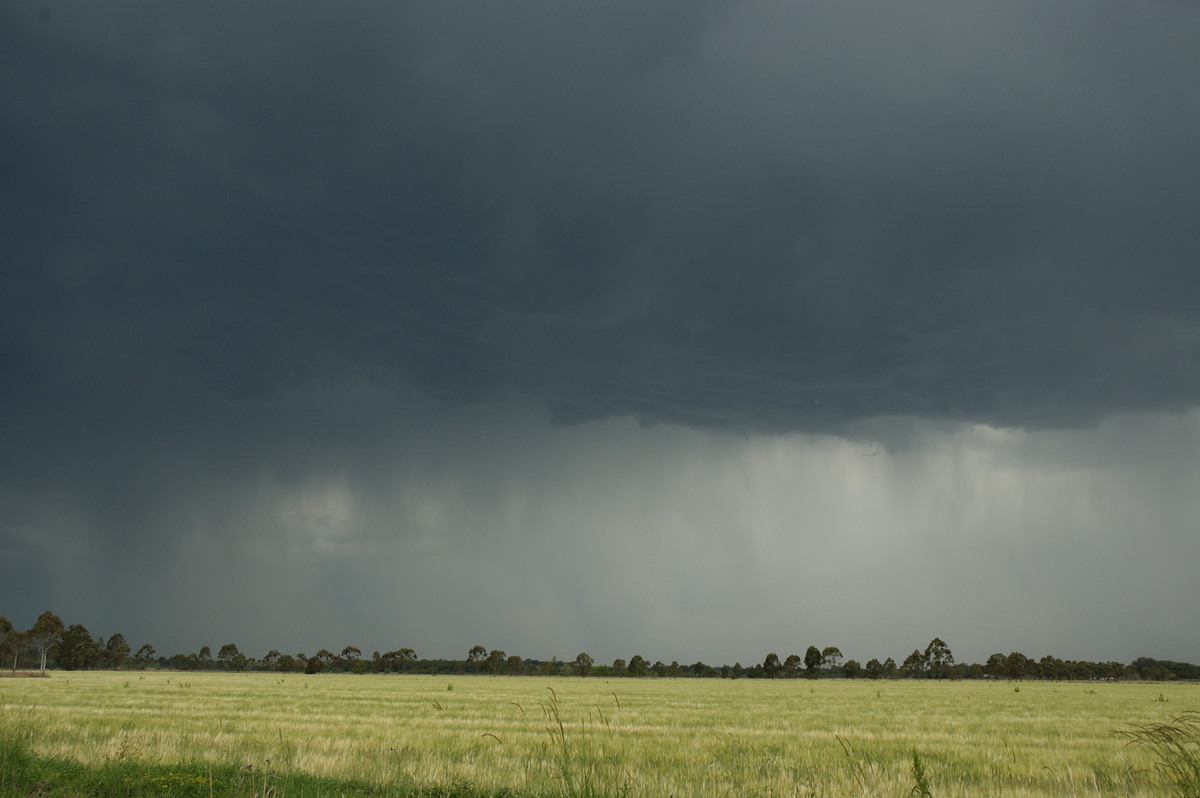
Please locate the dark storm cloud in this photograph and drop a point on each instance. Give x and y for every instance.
(288, 289)
(750, 214)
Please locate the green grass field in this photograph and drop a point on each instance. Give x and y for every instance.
(568, 736)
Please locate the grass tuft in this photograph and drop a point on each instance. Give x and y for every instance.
(1176, 746)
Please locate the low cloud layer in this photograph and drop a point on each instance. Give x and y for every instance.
(605, 317)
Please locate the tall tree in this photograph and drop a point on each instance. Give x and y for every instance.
(18, 646)
(226, 654)
(495, 661)
(771, 666)
(831, 658)
(583, 663)
(77, 650)
(349, 657)
(638, 665)
(913, 665)
(45, 634)
(144, 655)
(8, 640)
(812, 661)
(938, 658)
(116, 652)
(476, 654)
(1018, 666)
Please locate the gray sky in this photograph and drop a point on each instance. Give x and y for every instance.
(696, 330)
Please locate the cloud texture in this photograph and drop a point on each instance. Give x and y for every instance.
(408, 311)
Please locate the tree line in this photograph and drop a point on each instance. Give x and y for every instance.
(51, 644)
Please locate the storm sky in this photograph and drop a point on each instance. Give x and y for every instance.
(695, 330)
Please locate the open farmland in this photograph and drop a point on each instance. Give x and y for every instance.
(636, 737)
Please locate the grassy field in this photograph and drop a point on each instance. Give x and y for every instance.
(564, 736)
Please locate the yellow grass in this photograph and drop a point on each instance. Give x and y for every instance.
(640, 737)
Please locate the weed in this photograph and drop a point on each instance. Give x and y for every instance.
(1177, 747)
(921, 785)
(577, 762)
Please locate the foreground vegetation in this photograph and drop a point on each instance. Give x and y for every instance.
(161, 733)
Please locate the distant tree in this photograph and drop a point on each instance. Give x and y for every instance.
(618, 667)
(889, 668)
(831, 658)
(399, 660)
(874, 668)
(226, 654)
(116, 652)
(1017, 665)
(271, 660)
(204, 658)
(583, 663)
(396, 660)
(659, 668)
(351, 655)
(495, 661)
(637, 665)
(321, 662)
(791, 665)
(1052, 668)
(852, 669)
(994, 667)
(938, 658)
(812, 661)
(476, 654)
(145, 654)
(7, 640)
(771, 666)
(515, 665)
(19, 644)
(77, 650)
(1148, 667)
(913, 666)
(45, 634)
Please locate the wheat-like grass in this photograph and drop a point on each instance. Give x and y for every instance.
(635, 737)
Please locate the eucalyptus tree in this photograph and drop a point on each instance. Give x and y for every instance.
(914, 665)
(831, 658)
(583, 663)
(812, 661)
(938, 658)
(116, 652)
(45, 634)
